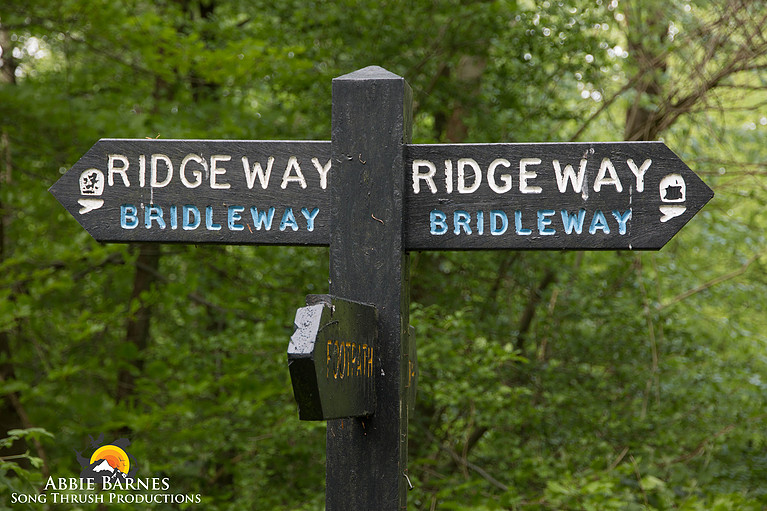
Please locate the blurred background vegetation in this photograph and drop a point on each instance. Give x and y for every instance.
(557, 380)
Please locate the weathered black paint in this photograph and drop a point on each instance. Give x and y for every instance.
(104, 223)
(411, 370)
(367, 458)
(328, 382)
(645, 231)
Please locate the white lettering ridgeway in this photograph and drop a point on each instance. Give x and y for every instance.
(535, 176)
(194, 169)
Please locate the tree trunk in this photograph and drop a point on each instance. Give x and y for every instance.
(646, 45)
(12, 412)
(137, 331)
(9, 417)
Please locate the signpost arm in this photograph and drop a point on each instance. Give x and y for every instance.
(372, 115)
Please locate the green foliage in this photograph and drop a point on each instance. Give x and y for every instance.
(19, 473)
(547, 380)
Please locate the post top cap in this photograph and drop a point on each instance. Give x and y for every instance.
(370, 73)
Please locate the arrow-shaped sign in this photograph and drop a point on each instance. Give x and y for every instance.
(576, 196)
(201, 191)
(572, 196)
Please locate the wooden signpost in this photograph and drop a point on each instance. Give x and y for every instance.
(372, 197)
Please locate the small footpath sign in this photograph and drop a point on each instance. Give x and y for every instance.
(332, 359)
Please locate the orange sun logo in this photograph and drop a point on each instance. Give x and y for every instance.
(115, 456)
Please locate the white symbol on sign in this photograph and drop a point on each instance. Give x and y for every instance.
(673, 190)
(91, 185)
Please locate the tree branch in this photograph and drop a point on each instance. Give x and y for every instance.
(195, 297)
(458, 460)
(549, 277)
(701, 447)
(711, 283)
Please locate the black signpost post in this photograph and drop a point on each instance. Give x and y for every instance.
(352, 358)
(371, 125)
